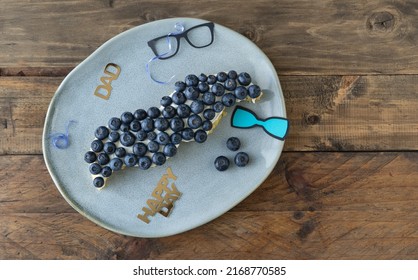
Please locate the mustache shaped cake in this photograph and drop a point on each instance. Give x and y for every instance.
(147, 138)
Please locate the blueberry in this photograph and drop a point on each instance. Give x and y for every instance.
(209, 98)
(169, 112)
(161, 124)
(200, 136)
(101, 132)
(166, 101)
(114, 136)
(176, 124)
(127, 139)
(244, 78)
(153, 146)
(232, 74)
(240, 92)
(152, 135)
(141, 135)
(98, 182)
(254, 91)
(183, 111)
(116, 164)
(130, 160)
(90, 157)
(97, 146)
(109, 148)
(144, 163)
(218, 89)
(233, 143)
(114, 123)
(124, 127)
(197, 106)
(211, 79)
(158, 158)
(153, 112)
(106, 171)
(202, 77)
(140, 114)
(221, 77)
(187, 134)
(221, 163)
(191, 80)
(127, 117)
(147, 125)
(194, 121)
(203, 87)
(230, 84)
(209, 114)
(176, 138)
(170, 150)
(163, 138)
(139, 149)
(241, 159)
(135, 126)
(179, 86)
(207, 125)
(228, 100)
(103, 159)
(218, 106)
(95, 168)
(191, 93)
(120, 152)
(178, 98)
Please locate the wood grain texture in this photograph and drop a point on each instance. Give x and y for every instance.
(312, 206)
(329, 37)
(326, 113)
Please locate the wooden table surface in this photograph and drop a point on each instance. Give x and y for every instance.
(346, 185)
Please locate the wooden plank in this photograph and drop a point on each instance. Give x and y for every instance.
(330, 113)
(303, 37)
(312, 206)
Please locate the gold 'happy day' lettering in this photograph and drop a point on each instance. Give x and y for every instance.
(162, 198)
(111, 72)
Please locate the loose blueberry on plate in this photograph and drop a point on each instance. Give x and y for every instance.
(191, 80)
(230, 84)
(194, 121)
(97, 145)
(135, 126)
(187, 134)
(127, 139)
(163, 138)
(169, 112)
(103, 159)
(116, 164)
(130, 160)
(211, 79)
(114, 136)
(209, 98)
(90, 157)
(166, 101)
(233, 143)
(176, 124)
(106, 171)
(202, 77)
(200, 136)
(178, 98)
(98, 182)
(232, 74)
(153, 112)
(176, 138)
(158, 158)
(207, 125)
(209, 114)
(114, 123)
(147, 125)
(153, 146)
(95, 168)
(109, 148)
(221, 77)
(127, 117)
(203, 87)
(161, 124)
(197, 106)
(124, 127)
(218, 106)
(241, 159)
(244, 78)
(240, 92)
(139, 149)
(221, 163)
(170, 150)
(152, 135)
(254, 91)
(228, 100)
(218, 89)
(101, 132)
(144, 163)
(141, 135)
(120, 152)
(183, 110)
(180, 86)
(140, 114)
(191, 93)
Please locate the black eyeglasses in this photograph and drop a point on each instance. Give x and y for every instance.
(198, 36)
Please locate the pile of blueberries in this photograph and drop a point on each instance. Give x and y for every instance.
(241, 159)
(150, 136)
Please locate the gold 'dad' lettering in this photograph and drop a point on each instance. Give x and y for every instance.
(112, 71)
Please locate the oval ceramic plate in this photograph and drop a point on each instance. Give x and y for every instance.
(205, 192)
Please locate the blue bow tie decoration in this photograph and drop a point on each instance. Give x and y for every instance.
(274, 126)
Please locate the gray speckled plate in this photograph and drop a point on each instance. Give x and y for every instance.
(206, 192)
